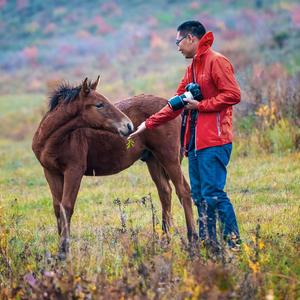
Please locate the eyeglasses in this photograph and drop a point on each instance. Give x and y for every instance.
(177, 42)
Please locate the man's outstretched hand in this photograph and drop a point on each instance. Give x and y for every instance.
(140, 129)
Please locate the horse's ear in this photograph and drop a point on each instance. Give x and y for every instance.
(94, 84)
(85, 89)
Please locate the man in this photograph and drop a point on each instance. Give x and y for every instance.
(206, 128)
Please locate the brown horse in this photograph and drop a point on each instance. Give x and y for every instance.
(84, 134)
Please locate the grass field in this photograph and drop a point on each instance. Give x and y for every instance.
(117, 250)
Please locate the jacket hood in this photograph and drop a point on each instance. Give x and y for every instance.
(204, 44)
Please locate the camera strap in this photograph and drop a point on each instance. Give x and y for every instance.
(185, 113)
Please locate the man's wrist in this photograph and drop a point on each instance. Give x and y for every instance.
(146, 124)
(199, 106)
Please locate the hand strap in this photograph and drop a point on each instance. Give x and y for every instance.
(184, 118)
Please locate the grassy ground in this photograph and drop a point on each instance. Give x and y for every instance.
(118, 251)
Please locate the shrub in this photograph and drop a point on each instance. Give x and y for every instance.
(268, 119)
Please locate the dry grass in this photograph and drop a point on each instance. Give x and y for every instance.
(114, 251)
(117, 247)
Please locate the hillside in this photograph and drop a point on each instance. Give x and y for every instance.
(131, 44)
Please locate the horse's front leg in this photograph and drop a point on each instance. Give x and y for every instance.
(55, 181)
(72, 180)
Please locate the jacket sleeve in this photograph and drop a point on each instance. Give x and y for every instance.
(224, 80)
(164, 115)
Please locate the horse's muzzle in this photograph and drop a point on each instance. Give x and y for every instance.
(126, 128)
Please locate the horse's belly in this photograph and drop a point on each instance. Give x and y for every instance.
(109, 155)
(103, 166)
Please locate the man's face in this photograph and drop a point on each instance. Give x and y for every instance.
(187, 44)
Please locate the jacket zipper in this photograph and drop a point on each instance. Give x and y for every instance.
(218, 124)
(198, 114)
(201, 80)
(196, 120)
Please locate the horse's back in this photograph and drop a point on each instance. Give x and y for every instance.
(141, 107)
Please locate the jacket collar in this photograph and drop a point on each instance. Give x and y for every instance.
(204, 44)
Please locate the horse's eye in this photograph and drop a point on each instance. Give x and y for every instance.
(99, 105)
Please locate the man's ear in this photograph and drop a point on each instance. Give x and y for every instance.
(95, 83)
(85, 89)
(190, 37)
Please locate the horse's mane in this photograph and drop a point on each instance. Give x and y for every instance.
(64, 92)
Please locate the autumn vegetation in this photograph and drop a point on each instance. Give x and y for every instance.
(118, 250)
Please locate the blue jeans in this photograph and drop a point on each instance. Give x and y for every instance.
(207, 171)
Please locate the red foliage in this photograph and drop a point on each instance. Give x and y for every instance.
(34, 85)
(31, 54)
(296, 16)
(257, 71)
(156, 41)
(271, 73)
(276, 71)
(103, 27)
(194, 5)
(2, 3)
(51, 27)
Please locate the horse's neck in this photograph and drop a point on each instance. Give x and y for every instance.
(51, 123)
(59, 135)
(54, 128)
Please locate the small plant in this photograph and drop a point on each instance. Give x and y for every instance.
(253, 251)
(123, 218)
(130, 143)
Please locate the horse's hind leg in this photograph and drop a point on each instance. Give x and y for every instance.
(55, 181)
(164, 189)
(184, 194)
(173, 169)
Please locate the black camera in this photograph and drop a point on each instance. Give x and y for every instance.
(193, 92)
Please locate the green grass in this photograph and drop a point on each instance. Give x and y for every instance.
(264, 189)
(12, 104)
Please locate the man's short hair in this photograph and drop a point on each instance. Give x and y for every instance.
(193, 27)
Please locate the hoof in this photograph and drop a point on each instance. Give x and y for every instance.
(193, 237)
(63, 249)
(62, 256)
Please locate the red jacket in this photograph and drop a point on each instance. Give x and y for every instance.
(215, 75)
